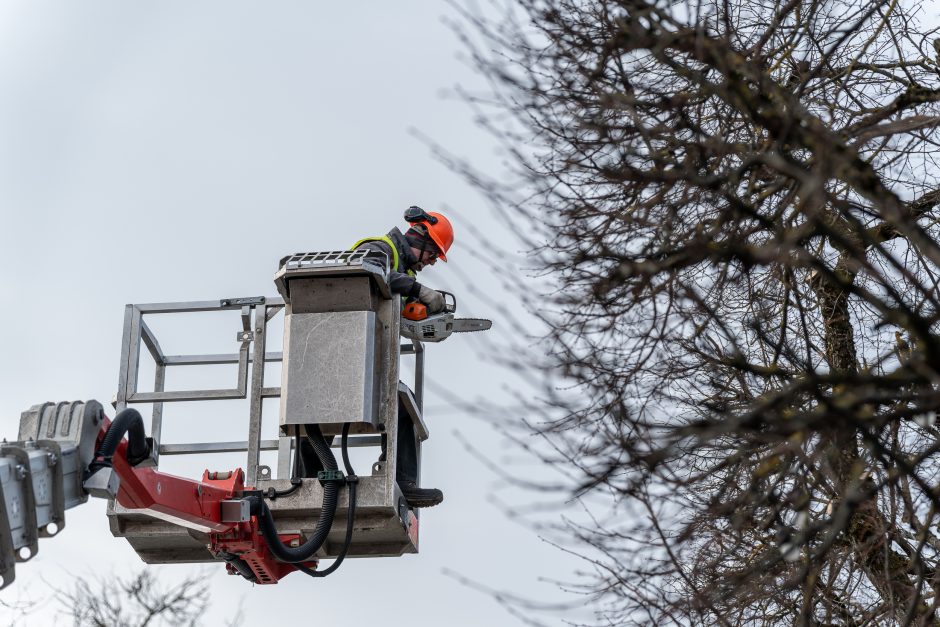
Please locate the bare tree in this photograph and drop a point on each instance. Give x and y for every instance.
(136, 601)
(16, 611)
(737, 201)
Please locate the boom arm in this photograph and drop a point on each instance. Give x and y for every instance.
(88, 454)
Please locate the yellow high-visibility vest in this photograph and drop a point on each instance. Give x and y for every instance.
(387, 240)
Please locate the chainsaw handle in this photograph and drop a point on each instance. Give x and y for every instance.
(451, 305)
(416, 310)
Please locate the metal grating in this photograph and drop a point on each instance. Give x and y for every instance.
(334, 263)
(303, 261)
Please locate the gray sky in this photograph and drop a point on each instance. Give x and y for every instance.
(175, 151)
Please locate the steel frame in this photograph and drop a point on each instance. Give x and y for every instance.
(256, 312)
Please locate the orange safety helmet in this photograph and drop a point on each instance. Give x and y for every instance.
(438, 227)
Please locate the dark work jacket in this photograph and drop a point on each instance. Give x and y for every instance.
(399, 280)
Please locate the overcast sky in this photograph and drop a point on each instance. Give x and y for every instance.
(176, 151)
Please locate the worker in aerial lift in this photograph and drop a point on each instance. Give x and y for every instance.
(427, 239)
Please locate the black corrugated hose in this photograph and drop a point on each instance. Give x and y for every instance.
(352, 482)
(129, 422)
(305, 551)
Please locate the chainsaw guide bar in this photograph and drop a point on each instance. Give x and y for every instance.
(439, 327)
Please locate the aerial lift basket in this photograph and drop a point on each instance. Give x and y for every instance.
(339, 366)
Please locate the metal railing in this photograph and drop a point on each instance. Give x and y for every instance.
(255, 313)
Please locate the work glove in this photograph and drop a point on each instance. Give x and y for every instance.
(432, 299)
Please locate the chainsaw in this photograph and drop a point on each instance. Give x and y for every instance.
(416, 324)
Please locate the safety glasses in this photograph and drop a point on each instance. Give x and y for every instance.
(432, 252)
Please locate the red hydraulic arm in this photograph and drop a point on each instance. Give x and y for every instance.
(198, 505)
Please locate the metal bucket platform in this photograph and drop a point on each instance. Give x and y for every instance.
(312, 284)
